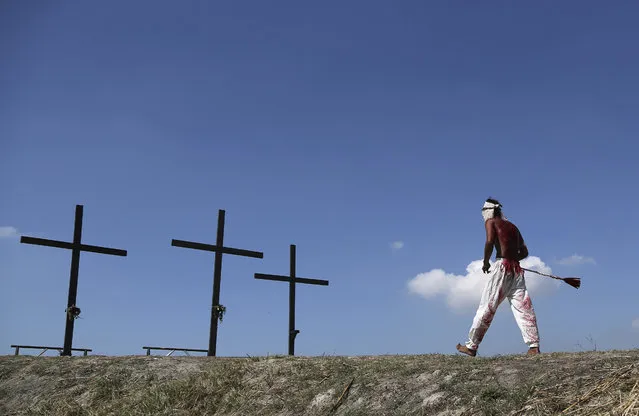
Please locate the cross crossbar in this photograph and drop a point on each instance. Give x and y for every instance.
(213, 248)
(71, 246)
(281, 278)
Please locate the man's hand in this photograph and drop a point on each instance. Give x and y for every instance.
(486, 267)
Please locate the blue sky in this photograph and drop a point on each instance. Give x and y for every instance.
(341, 127)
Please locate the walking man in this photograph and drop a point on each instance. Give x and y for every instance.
(506, 280)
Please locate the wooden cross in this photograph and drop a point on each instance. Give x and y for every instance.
(218, 249)
(76, 247)
(292, 279)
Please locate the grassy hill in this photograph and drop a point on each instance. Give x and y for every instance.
(588, 383)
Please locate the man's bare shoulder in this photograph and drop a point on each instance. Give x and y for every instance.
(512, 224)
(496, 222)
(514, 228)
(502, 223)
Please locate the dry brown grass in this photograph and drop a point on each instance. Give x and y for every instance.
(586, 383)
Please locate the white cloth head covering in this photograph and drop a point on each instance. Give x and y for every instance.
(488, 210)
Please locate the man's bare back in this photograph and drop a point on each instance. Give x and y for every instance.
(507, 240)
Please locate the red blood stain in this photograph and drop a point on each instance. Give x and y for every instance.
(511, 267)
(530, 319)
(485, 322)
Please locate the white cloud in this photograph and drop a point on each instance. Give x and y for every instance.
(576, 259)
(462, 293)
(6, 232)
(397, 245)
(635, 323)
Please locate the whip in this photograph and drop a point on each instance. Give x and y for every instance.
(572, 281)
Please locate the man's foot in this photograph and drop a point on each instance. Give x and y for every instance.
(464, 349)
(533, 351)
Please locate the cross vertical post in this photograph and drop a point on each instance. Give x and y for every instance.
(73, 280)
(291, 304)
(217, 281)
(292, 279)
(219, 250)
(76, 248)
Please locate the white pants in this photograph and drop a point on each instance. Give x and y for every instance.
(503, 283)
